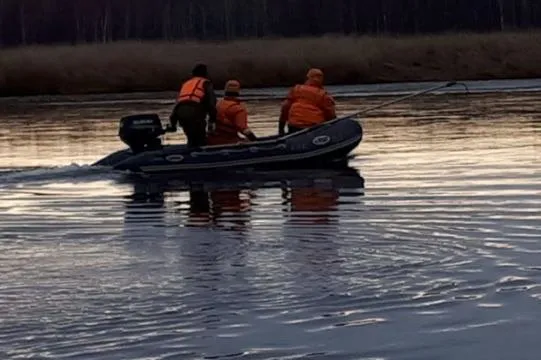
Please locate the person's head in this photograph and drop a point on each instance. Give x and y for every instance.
(315, 76)
(200, 70)
(232, 88)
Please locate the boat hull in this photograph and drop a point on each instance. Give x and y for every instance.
(325, 145)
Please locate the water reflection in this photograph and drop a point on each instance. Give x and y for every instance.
(221, 208)
(226, 204)
(234, 251)
(311, 204)
(443, 250)
(258, 244)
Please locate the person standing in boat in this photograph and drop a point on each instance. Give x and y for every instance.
(307, 104)
(232, 118)
(196, 99)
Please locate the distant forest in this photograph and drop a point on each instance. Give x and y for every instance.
(24, 22)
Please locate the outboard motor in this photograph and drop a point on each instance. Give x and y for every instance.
(141, 132)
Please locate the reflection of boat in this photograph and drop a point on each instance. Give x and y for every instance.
(318, 147)
(226, 202)
(344, 177)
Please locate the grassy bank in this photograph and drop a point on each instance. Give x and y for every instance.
(157, 66)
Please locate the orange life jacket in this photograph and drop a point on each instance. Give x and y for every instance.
(231, 119)
(310, 105)
(192, 90)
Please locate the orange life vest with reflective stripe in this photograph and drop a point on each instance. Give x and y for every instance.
(306, 109)
(192, 90)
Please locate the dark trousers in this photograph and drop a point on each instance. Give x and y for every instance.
(195, 130)
(192, 119)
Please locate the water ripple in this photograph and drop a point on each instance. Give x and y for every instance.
(428, 248)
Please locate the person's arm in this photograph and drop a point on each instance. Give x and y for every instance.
(210, 97)
(241, 122)
(329, 107)
(284, 111)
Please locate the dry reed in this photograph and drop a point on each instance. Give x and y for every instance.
(161, 66)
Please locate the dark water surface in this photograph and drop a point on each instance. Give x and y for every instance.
(430, 248)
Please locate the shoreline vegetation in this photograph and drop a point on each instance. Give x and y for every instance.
(125, 67)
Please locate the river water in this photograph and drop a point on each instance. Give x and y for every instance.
(428, 248)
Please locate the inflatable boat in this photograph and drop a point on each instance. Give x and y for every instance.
(321, 146)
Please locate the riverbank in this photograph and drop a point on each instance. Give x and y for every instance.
(161, 66)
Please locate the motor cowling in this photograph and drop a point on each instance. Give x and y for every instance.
(141, 132)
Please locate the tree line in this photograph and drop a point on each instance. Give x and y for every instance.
(25, 22)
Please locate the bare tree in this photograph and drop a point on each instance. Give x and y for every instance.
(46, 21)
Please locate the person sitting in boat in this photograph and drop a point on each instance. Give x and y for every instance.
(196, 99)
(232, 118)
(307, 104)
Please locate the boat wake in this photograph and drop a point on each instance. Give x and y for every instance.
(10, 177)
